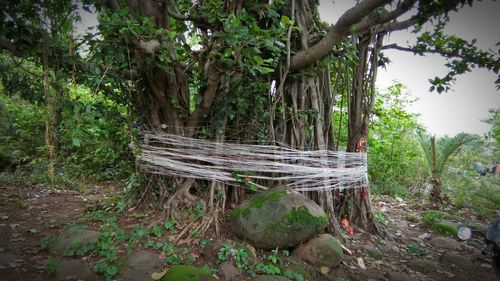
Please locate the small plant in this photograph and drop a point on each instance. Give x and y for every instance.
(272, 266)
(275, 258)
(240, 256)
(380, 218)
(156, 230)
(224, 253)
(268, 268)
(212, 271)
(430, 218)
(170, 226)
(51, 266)
(105, 268)
(197, 212)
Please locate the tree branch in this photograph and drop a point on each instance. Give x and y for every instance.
(208, 98)
(415, 51)
(395, 26)
(370, 21)
(352, 16)
(185, 18)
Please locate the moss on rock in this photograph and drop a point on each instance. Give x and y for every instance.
(72, 239)
(323, 250)
(187, 273)
(277, 218)
(445, 228)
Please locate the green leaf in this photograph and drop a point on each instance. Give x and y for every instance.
(285, 20)
(122, 12)
(76, 141)
(111, 270)
(157, 231)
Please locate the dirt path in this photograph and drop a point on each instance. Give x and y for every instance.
(28, 214)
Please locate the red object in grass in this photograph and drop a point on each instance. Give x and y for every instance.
(345, 225)
(363, 193)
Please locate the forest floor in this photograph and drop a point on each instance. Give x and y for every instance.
(28, 214)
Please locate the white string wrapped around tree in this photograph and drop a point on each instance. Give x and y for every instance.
(248, 165)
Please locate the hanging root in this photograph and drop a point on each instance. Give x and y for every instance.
(212, 217)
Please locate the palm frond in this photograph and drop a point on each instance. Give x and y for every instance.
(450, 146)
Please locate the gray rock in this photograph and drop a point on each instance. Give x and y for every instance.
(138, 266)
(370, 275)
(277, 218)
(401, 224)
(445, 243)
(412, 217)
(75, 270)
(396, 276)
(71, 239)
(423, 265)
(323, 250)
(373, 251)
(6, 258)
(187, 273)
(462, 262)
(229, 272)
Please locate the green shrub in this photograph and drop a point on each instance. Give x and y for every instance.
(429, 218)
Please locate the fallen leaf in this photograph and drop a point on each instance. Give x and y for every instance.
(324, 270)
(158, 275)
(361, 263)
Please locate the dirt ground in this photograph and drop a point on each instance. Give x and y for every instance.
(28, 214)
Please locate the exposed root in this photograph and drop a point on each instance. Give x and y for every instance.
(171, 208)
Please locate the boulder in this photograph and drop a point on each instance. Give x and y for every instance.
(462, 262)
(323, 250)
(139, 265)
(72, 239)
(187, 273)
(229, 272)
(445, 243)
(277, 218)
(75, 270)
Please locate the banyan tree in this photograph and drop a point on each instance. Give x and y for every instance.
(258, 72)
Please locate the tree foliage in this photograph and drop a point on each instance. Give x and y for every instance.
(394, 154)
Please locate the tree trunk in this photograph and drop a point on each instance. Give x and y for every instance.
(360, 106)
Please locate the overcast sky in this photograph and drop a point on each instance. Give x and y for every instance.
(462, 109)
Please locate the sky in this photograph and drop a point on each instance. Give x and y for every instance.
(474, 93)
